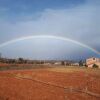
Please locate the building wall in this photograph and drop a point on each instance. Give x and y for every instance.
(98, 63)
(91, 61)
(90, 66)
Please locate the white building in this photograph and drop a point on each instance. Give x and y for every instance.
(91, 61)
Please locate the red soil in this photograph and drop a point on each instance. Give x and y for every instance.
(47, 85)
(4, 64)
(18, 65)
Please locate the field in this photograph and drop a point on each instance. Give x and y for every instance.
(62, 83)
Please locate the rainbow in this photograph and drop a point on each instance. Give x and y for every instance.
(50, 37)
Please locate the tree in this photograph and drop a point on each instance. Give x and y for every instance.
(62, 63)
(0, 55)
(21, 60)
(80, 63)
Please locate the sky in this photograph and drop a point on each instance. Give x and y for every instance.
(77, 20)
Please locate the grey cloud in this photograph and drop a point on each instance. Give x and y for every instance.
(80, 23)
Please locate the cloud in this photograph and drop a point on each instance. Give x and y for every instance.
(80, 23)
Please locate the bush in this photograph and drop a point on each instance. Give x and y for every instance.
(86, 65)
(80, 63)
(95, 66)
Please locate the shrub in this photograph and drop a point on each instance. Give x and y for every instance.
(95, 66)
(80, 63)
(86, 65)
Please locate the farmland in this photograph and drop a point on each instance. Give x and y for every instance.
(56, 83)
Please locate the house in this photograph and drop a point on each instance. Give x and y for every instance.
(91, 61)
(75, 64)
(58, 63)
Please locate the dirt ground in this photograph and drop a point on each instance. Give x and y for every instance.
(50, 84)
